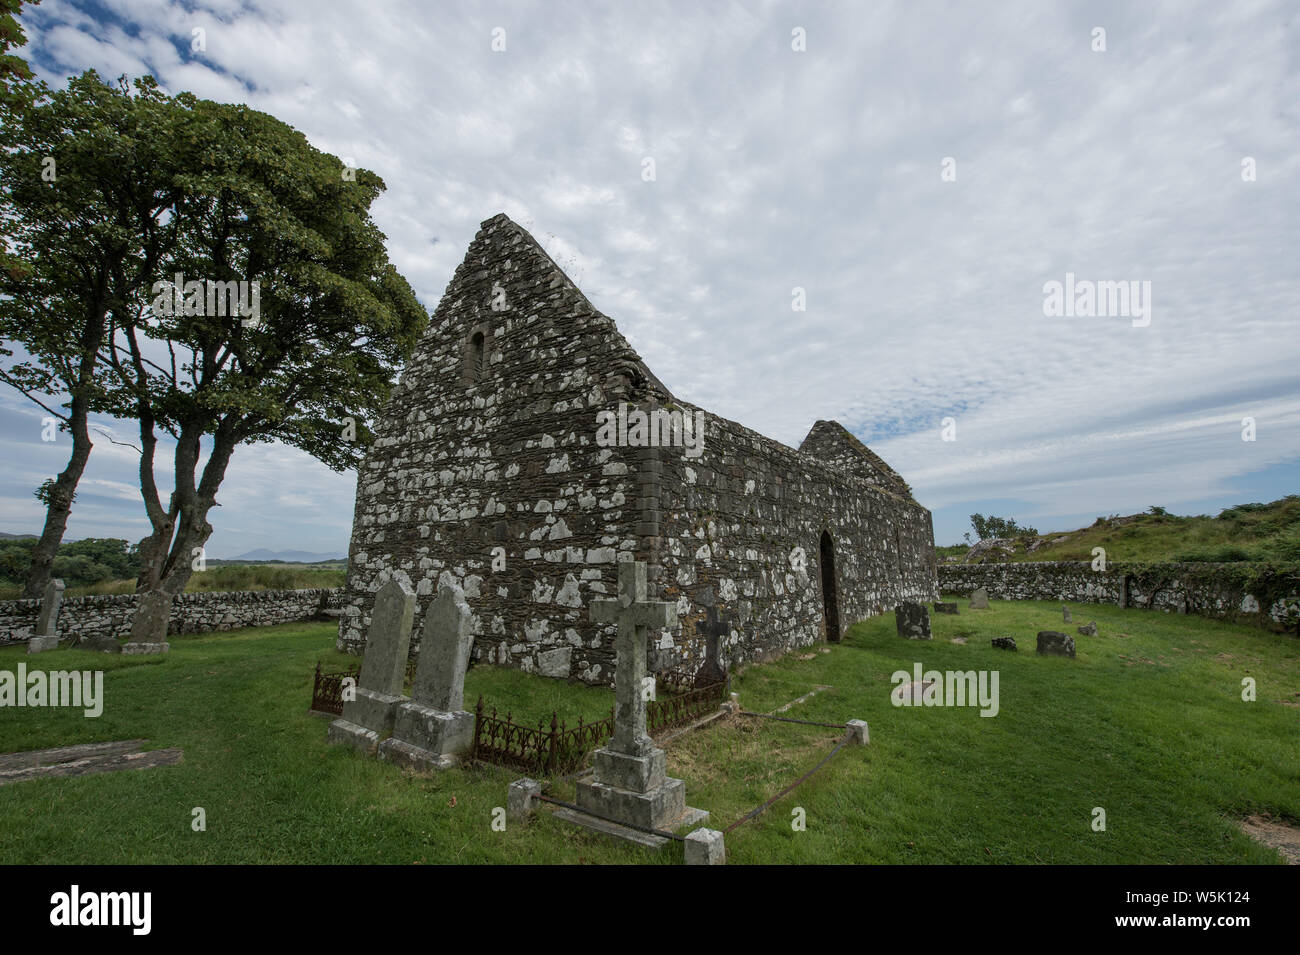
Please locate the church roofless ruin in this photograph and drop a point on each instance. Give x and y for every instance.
(514, 431)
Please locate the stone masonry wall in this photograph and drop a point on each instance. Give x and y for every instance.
(110, 615)
(1212, 590)
(732, 519)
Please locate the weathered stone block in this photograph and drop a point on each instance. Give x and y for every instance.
(519, 798)
(859, 733)
(705, 847)
(555, 662)
(435, 731)
(345, 733)
(655, 809)
(635, 773)
(373, 710)
(1005, 643)
(1089, 629)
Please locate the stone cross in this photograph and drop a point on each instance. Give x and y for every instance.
(635, 616)
(444, 652)
(715, 628)
(47, 624)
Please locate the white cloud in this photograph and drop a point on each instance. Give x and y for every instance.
(822, 170)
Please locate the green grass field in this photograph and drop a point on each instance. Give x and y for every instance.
(1148, 723)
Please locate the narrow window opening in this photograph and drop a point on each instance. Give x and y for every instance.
(476, 357)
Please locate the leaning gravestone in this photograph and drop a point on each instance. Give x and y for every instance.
(1056, 644)
(631, 784)
(979, 600)
(46, 636)
(1065, 614)
(912, 621)
(379, 685)
(149, 625)
(433, 728)
(940, 607)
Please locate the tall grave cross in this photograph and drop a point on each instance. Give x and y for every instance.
(635, 616)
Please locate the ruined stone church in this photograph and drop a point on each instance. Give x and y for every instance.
(527, 450)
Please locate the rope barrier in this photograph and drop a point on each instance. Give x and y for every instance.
(755, 813)
(790, 719)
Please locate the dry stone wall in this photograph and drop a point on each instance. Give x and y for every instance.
(110, 615)
(1233, 591)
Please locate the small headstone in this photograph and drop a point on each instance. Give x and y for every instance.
(46, 636)
(1005, 643)
(979, 600)
(433, 728)
(945, 607)
(149, 624)
(370, 716)
(1089, 629)
(1056, 644)
(1065, 615)
(912, 621)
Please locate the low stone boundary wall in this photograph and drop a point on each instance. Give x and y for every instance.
(1267, 595)
(191, 613)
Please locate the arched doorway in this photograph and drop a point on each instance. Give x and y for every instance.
(829, 592)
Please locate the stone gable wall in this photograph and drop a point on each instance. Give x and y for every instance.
(459, 468)
(110, 614)
(1211, 590)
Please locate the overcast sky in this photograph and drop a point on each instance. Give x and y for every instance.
(819, 169)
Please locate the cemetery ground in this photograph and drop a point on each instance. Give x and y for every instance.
(1147, 723)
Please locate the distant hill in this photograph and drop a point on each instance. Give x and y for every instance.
(5, 536)
(1256, 532)
(262, 554)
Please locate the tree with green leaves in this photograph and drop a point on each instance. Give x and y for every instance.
(990, 528)
(14, 71)
(91, 179)
(304, 351)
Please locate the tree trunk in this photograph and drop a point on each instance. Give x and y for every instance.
(59, 505)
(167, 556)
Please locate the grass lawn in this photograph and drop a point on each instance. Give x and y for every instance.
(1148, 723)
